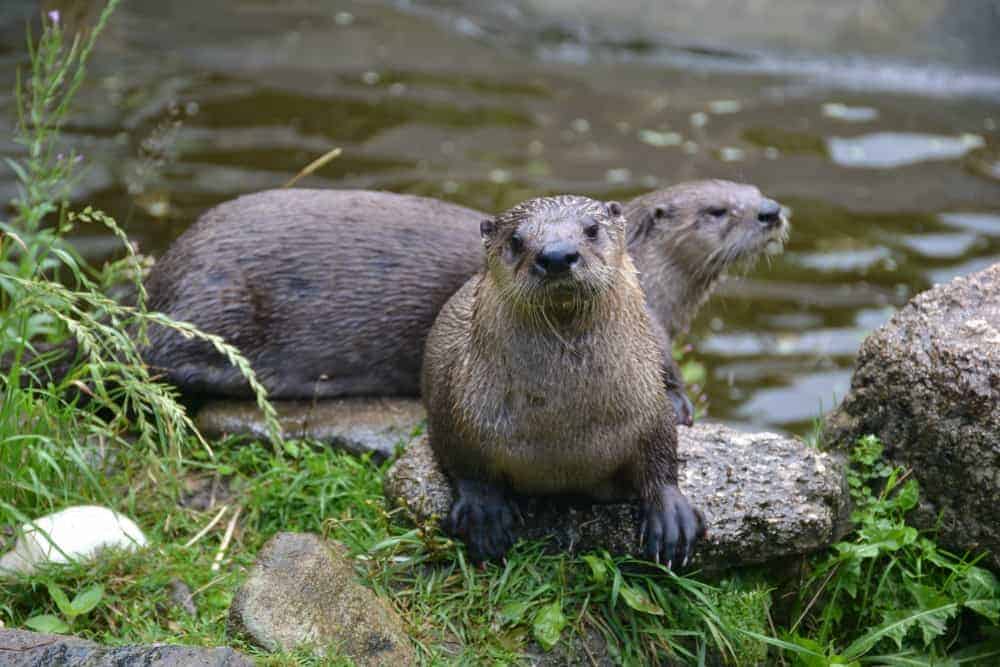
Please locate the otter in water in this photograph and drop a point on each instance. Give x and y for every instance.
(332, 292)
(543, 375)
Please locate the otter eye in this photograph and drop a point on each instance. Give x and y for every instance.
(717, 211)
(592, 230)
(516, 243)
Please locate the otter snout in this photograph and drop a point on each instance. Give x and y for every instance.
(769, 213)
(556, 259)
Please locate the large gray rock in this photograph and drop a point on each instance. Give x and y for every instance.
(21, 648)
(928, 385)
(302, 592)
(765, 496)
(356, 425)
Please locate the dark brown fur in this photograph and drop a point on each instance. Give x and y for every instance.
(685, 238)
(326, 292)
(542, 385)
(332, 293)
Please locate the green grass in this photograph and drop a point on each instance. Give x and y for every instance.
(108, 433)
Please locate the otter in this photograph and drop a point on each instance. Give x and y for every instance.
(332, 292)
(684, 239)
(326, 292)
(542, 375)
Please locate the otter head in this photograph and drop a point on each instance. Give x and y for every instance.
(555, 252)
(705, 227)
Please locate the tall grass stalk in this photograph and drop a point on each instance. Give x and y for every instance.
(61, 408)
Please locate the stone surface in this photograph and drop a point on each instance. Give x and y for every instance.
(927, 384)
(764, 496)
(21, 648)
(73, 533)
(302, 592)
(356, 425)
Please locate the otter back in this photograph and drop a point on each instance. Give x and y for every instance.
(326, 292)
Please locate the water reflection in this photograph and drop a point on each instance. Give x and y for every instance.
(884, 150)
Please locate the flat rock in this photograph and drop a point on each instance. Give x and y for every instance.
(765, 496)
(357, 425)
(303, 592)
(21, 648)
(927, 383)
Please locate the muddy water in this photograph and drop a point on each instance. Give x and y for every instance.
(890, 166)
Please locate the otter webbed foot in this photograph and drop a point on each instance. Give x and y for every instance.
(482, 516)
(670, 527)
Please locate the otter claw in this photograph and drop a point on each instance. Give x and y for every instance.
(673, 527)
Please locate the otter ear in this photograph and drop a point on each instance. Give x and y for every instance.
(487, 227)
(640, 226)
(614, 209)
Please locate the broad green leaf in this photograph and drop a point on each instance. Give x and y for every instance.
(895, 626)
(548, 625)
(47, 623)
(512, 612)
(59, 597)
(598, 569)
(935, 625)
(87, 599)
(908, 496)
(639, 600)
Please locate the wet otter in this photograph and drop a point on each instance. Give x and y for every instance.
(542, 375)
(326, 292)
(332, 292)
(684, 239)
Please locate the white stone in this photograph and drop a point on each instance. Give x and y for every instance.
(71, 534)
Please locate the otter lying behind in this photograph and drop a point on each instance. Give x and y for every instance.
(332, 292)
(542, 375)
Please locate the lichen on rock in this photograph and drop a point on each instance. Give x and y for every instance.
(927, 384)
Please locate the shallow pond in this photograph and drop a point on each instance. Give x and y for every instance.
(891, 168)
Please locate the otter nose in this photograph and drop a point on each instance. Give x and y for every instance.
(769, 212)
(556, 259)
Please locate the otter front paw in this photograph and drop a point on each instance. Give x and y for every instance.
(670, 527)
(683, 407)
(483, 518)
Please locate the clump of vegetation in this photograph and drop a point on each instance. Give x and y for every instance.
(888, 595)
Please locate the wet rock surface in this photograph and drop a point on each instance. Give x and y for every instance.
(21, 648)
(303, 593)
(355, 425)
(765, 496)
(928, 385)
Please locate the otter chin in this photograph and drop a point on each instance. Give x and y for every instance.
(543, 376)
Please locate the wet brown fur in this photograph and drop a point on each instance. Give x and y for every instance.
(326, 292)
(549, 398)
(683, 250)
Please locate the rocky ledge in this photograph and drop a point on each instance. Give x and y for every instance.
(927, 384)
(21, 648)
(765, 497)
(358, 425)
